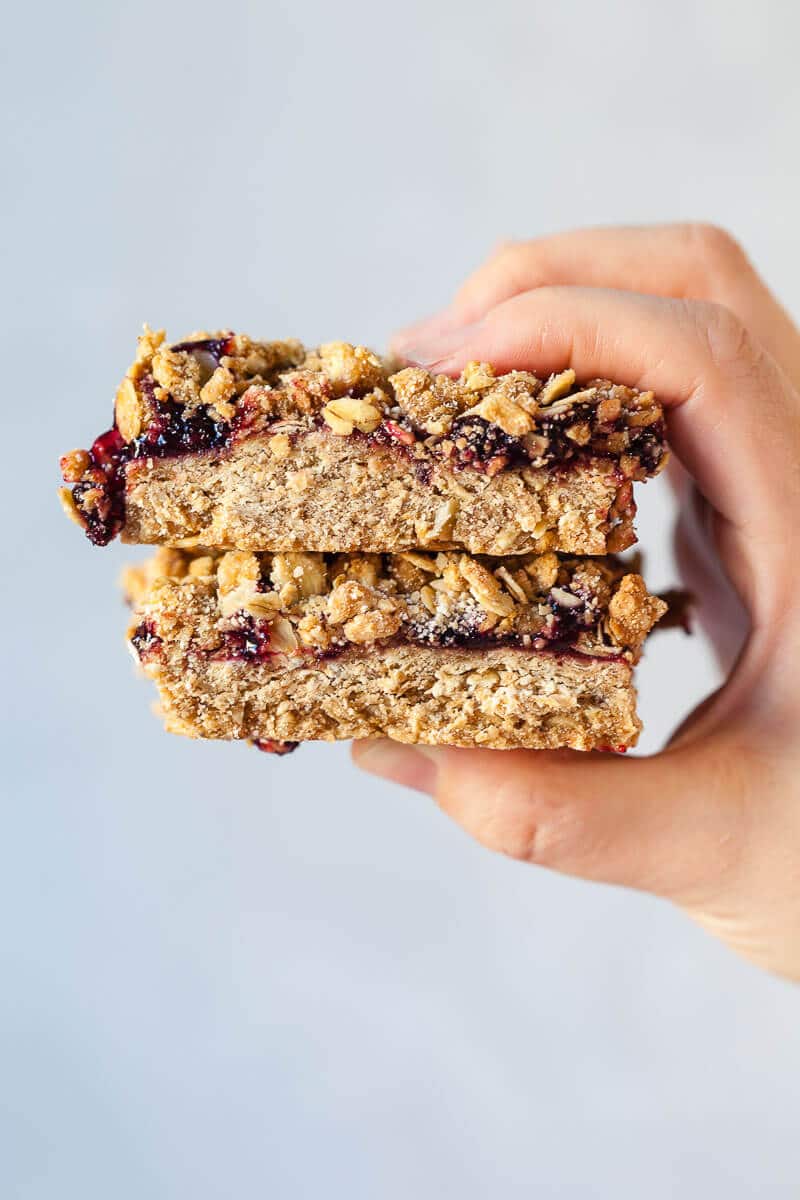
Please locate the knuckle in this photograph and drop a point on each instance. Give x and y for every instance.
(510, 260)
(714, 248)
(506, 825)
(729, 342)
(502, 262)
(505, 248)
(547, 832)
(515, 842)
(558, 838)
(521, 820)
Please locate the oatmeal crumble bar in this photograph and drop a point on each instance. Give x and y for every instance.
(534, 651)
(222, 440)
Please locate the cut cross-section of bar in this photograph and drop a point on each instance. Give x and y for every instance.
(531, 651)
(221, 440)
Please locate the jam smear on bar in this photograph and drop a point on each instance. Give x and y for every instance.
(648, 445)
(216, 347)
(481, 445)
(571, 616)
(145, 640)
(170, 433)
(101, 499)
(464, 630)
(271, 746)
(249, 642)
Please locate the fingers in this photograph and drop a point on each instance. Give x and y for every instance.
(734, 420)
(689, 261)
(674, 825)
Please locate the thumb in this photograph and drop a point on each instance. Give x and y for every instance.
(671, 824)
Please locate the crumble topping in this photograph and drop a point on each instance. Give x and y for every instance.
(300, 602)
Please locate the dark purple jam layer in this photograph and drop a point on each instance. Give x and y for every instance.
(572, 613)
(250, 641)
(215, 347)
(475, 443)
(270, 746)
(168, 435)
(145, 640)
(472, 442)
(234, 650)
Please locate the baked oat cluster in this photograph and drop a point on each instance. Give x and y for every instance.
(352, 547)
(227, 376)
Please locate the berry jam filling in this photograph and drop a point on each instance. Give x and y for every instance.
(216, 347)
(170, 433)
(396, 433)
(554, 638)
(484, 446)
(463, 630)
(647, 445)
(250, 642)
(145, 640)
(477, 444)
(270, 746)
(101, 498)
(571, 615)
(471, 442)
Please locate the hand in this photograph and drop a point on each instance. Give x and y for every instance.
(713, 821)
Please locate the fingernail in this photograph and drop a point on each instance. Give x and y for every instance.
(427, 351)
(412, 766)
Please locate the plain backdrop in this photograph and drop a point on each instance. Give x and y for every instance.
(224, 974)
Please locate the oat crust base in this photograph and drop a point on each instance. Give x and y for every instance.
(500, 699)
(322, 493)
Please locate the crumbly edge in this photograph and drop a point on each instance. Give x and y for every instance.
(311, 491)
(316, 604)
(353, 389)
(498, 699)
(481, 420)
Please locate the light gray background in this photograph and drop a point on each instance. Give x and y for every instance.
(227, 975)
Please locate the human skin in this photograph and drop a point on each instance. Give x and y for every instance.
(712, 822)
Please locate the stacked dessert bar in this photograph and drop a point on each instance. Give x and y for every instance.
(352, 548)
